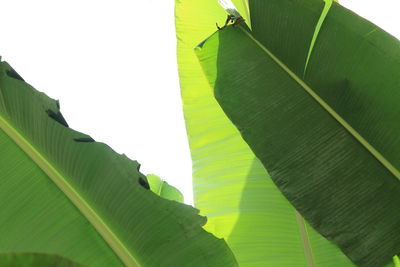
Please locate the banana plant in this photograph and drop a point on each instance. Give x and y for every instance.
(67, 200)
(327, 166)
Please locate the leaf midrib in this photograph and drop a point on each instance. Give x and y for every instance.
(102, 228)
(328, 109)
(305, 239)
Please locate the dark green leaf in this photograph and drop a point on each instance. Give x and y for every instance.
(35, 260)
(332, 178)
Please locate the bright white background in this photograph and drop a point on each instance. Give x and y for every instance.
(112, 64)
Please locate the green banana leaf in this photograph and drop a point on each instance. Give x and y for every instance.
(163, 189)
(328, 139)
(231, 187)
(63, 193)
(35, 260)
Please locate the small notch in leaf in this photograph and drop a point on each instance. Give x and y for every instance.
(144, 183)
(58, 117)
(13, 74)
(85, 140)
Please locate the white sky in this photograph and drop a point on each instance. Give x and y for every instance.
(112, 65)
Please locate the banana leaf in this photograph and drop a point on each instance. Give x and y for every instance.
(63, 193)
(319, 113)
(163, 189)
(231, 186)
(35, 259)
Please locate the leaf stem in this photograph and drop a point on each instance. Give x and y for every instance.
(306, 241)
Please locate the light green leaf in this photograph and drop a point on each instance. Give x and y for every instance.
(321, 155)
(63, 193)
(163, 189)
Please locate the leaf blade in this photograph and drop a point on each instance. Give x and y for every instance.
(104, 182)
(35, 259)
(231, 186)
(258, 129)
(163, 189)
